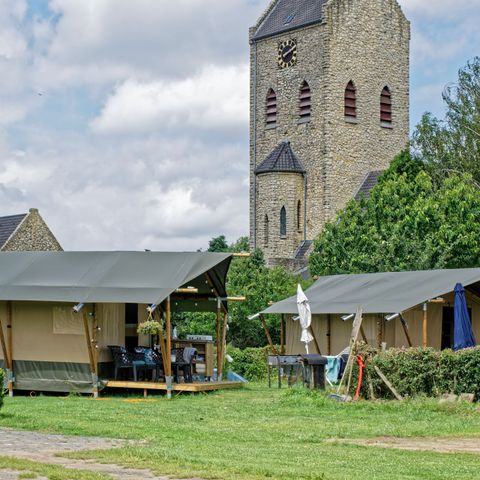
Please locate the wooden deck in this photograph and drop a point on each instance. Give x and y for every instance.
(177, 387)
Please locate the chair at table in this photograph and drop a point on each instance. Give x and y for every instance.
(124, 360)
(153, 361)
(184, 361)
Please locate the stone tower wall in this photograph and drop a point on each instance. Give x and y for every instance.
(366, 41)
(277, 190)
(32, 234)
(306, 138)
(372, 51)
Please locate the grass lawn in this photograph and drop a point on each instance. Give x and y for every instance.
(258, 433)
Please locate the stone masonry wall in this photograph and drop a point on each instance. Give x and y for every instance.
(33, 234)
(306, 138)
(366, 41)
(277, 190)
(372, 50)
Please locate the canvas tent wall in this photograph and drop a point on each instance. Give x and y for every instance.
(380, 294)
(38, 290)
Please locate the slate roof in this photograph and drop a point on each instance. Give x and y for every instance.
(8, 225)
(370, 181)
(289, 15)
(282, 159)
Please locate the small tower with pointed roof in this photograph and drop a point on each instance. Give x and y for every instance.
(329, 111)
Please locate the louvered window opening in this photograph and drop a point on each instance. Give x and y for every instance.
(386, 106)
(266, 228)
(350, 101)
(305, 102)
(283, 222)
(299, 215)
(271, 109)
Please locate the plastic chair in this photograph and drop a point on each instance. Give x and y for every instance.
(124, 360)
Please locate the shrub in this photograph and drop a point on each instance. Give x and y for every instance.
(251, 363)
(2, 390)
(418, 371)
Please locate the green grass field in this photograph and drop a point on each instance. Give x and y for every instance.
(258, 433)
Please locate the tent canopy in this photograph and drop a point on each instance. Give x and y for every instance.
(392, 292)
(111, 277)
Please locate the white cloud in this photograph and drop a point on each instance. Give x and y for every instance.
(215, 98)
(445, 9)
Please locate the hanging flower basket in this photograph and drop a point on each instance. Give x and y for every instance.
(150, 327)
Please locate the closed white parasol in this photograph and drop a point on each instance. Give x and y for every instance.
(304, 317)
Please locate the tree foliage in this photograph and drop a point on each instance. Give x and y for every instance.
(453, 144)
(409, 222)
(249, 277)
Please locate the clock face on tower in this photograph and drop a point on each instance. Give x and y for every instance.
(287, 53)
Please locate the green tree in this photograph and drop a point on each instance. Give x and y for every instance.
(218, 244)
(453, 144)
(249, 277)
(409, 222)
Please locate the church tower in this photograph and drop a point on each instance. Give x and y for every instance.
(329, 111)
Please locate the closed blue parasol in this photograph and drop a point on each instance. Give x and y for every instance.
(463, 334)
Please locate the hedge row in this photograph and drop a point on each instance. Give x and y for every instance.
(418, 371)
(251, 363)
(2, 391)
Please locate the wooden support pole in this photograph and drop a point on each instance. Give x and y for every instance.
(186, 290)
(388, 384)
(168, 343)
(236, 299)
(89, 340)
(425, 325)
(282, 335)
(364, 336)
(317, 346)
(161, 341)
(405, 329)
(241, 255)
(219, 336)
(10, 346)
(95, 351)
(329, 334)
(6, 360)
(224, 345)
(269, 337)
(379, 331)
(168, 348)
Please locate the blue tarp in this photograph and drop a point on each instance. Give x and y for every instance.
(463, 336)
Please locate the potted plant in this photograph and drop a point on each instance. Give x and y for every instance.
(150, 327)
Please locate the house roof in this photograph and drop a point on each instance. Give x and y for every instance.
(368, 184)
(391, 292)
(288, 15)
(282, 159)
(112, 277)
(8, 225)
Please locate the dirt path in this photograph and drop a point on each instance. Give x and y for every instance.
(441, 445)
(43, 448)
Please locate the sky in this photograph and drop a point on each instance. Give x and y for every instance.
(126, 122)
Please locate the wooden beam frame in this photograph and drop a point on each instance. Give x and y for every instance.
(405, 329)
(329, 334)
(223, 348)
(10, 346)
(168, 345)
(282, 335)
(425, 325)
(317, 346)
(267, 333)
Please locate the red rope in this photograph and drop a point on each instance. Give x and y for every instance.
(361, 366)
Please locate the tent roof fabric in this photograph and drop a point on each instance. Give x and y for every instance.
(392, 292)
(108, 277)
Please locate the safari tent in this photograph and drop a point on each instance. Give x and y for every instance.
(47, 346)
(400, 309)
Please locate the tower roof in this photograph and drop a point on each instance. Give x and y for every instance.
(368, 184)
(282, 159)
(288, 15)
(8, 225)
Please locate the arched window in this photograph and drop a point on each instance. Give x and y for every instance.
(271, 109)
(299, 216)
(305, 102)
(386, 107)
(266, 228)
(350, 101)
(283, 222)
